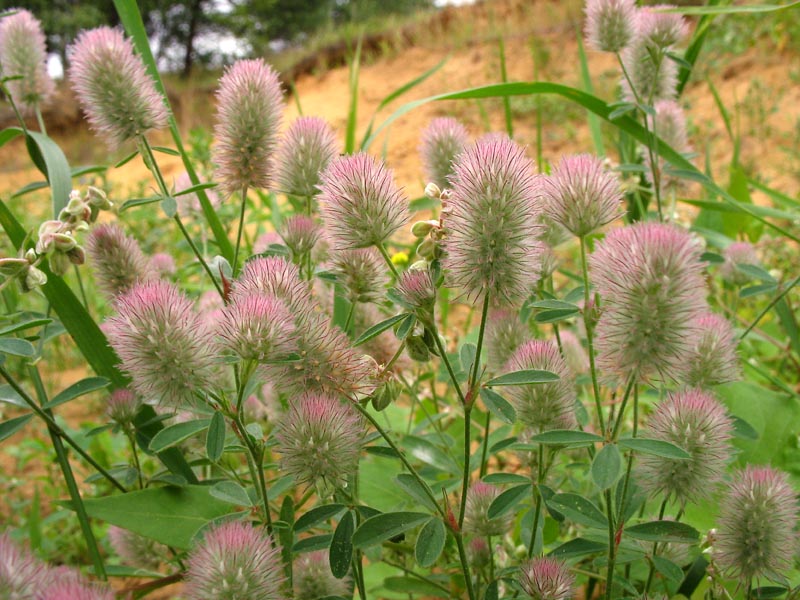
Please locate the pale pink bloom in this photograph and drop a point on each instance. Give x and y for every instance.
(308, 147)
(23, 52)
(546, 578)
(442, 140)
(610, 24)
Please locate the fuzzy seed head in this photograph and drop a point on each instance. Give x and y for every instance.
(136, 550)
(257, 327)
(163, 264)
(117, 259)
(123, 405)
(319, 439)
(492, 222)
(249, 112)
(164, 345)
(235, 561)
(116, 93)
(23, 52)
(417, 289)
(670, 125)
(300, 233)
(610, 24)
(714, 361)
(581, 195)
(696, 422)
(275, 276)
(546, 578)
(756, 530)
(574, 353)
(363, 272)
(443, 140)
(476, 513)
(313, 579)
(544, 406)
(21, 573)
(650, 278)
(738, 253)
(659, 29)
(651, 80)
(307, 149)
(360, 204)
(73, 589)
(504, 335)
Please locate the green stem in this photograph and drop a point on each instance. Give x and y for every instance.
(612, 546)
(388, 260)
(652, 570)
(474, 376)
(80, 287)
(350, 314)
(135, 453)
(485, 450)
(587, 320)
(72, 486)
(40, 120)
(449, 367)
(462, 555)
(621, 508)
(466, 475)
(618, 423)
(769, 306)
(241, 228)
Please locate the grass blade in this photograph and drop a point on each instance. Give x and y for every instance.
(586, 81)
(352, 112)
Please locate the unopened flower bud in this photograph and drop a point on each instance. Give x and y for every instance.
(417, 348)
(64, 242)
(432, 191)
(421, 229)
(98, 198)
(426, 249)
(59, 263)
(11, 267)
(77, 255)
(33, 279)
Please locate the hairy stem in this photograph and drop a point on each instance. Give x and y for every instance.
(587, 320)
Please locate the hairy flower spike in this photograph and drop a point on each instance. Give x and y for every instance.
(257, 327)
(652, 81)
(71, 588)
(650, 278)
(118, 261)
(313, 579)
(275, 276)
(492, 222)
(307, 149)
(21, 573)
(574, 353)
(756, 533)
(714, 358)
(694, 421)
(610, 24)
(443, 140)
(360, 204)
(476, 513)
(249, 112)
(123, 405)
(660, 29)
(136, 550)
(300, 234)
(235, 561)
(23, 52)
(546, 578)
(164, 345)
(320, 438)
(417, 289)
(670, 125)
(504, 334)
(738, 253)
(581, 195)
(363, 272)
(544, 406)
(116, 93)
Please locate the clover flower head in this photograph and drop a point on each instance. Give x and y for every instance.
(23, 52)
(546, 578)
(308, 147)
(443, 140)
(610, 24)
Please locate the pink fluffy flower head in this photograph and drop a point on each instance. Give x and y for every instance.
(235, 561)
(307, 149)
(362, 272)
(117, 260)
(546, 578)
(136, 550)
(123, 405)
(274, 276)
(300, 234)
(189, 204)
(650, 80)
(581, 195)
(504, 334)
(735, 254)
(610, 24)
(164, 345)
(492, 222)
(257, 327)
(476, 513)
(696, 422)
(116, 93)
(319, 440)
(544, 406)
(714, 359)
(443, 140)
(360, 204)
(661, 29)
(650, 278)
(756, 531)
(23, 52)
(417, 289)
(21, 573)
(670, 125)
(312, 577)
(249, 113)
(574, 353)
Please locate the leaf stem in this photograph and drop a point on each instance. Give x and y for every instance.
(239, 231)
(587, 321)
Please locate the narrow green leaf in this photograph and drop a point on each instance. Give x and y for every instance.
(80, 388)
(430, 454)
(195, 188)
(663, 531)
(742, 429)
(668, 568)
(50, 160)
(138, 202)
(313, 543)
(317, 515)
(405, 327)
(341, 550)
(415, 587)
(727, 10)
(507, 500)
(17, 347)
(380, 528)
(414, 489)
(655, 447)
(503, 478)
(352, 112)
(586, 81)
(168, 151)
(215, 438)
(467, 356)
(175, 434)
(379, 328)
(607, 466)
(499, 406)
(124, 161)
(526, 377)
(10, 427)
(566, 436)
(554, 305)
(554, 316)
(579, 509)
(8, 134)
(232, 493)
(23, 325)
(577, 547)
(430, 543)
